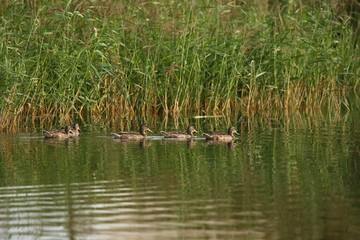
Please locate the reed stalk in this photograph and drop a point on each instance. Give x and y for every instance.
(124, 62)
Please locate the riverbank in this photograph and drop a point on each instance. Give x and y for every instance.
(117, 62)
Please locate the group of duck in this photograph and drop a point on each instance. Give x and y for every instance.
(65, 132)
(74, 131)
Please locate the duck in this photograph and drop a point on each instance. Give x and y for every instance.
(74, 131)
(59, 134)
(188, 134)
(133, 135)
(220, 136)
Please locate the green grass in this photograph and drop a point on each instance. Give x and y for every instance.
(123, 61)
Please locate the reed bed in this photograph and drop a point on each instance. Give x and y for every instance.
(120, 62)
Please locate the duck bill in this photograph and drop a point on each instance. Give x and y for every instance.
(195, 132)
(149, 130)
(236, 133)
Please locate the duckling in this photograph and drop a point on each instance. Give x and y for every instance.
(58, 133)
(133, 135)
(220, 136)
(189, 133)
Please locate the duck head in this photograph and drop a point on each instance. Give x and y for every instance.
(232, 131)
(190, 130)
(76, 127)
(67, 129)
(144, 128)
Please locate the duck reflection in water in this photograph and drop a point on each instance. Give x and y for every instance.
(142, 143)
(189, 142)
(231, 145)
(56, 142)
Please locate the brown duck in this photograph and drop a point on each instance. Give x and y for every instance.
(188, 134)
(133, 135)
(60, 134)
(74, 131)
(220, 136)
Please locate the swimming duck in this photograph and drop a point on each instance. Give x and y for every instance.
(220, 136)
(189, 133)
(133, 135)
(60, 134)
(74, 131)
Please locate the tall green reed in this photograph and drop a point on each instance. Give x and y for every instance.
(130, 62)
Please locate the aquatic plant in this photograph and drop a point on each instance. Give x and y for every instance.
(118, 62)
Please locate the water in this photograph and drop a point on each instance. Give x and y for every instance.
(270, 184)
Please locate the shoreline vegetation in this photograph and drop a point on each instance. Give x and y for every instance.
(115, 62)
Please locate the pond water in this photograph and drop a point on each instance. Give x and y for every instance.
(270, 184)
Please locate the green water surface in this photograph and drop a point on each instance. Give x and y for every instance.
(270, 184)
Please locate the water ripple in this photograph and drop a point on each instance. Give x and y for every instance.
(102, 210)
